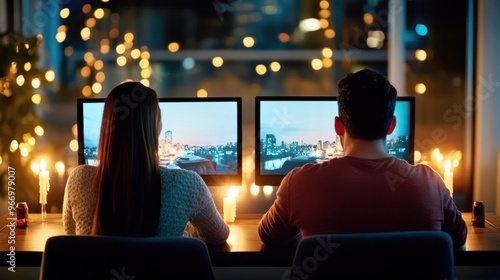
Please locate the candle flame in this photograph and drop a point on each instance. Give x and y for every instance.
(447, 165)
(232, 192)
(43, 165)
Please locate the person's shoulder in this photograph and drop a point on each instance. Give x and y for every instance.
(179, 175)
(84, 170)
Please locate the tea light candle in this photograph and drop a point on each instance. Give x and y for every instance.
(448, 177)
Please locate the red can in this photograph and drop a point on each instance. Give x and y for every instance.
(478, 215)
(22, 214)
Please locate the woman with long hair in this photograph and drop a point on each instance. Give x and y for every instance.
(128, 193)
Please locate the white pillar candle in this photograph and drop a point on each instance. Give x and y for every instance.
(43, 182)
(448, 177)
(229, 209)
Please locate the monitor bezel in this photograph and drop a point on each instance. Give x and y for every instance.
(210, 180)
(275, 180)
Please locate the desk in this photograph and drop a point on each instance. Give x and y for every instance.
(243, 247)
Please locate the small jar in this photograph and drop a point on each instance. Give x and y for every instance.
(22, 214)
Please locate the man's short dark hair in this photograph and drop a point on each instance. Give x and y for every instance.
(366, 104)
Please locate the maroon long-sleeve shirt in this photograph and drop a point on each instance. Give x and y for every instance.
(354, 195)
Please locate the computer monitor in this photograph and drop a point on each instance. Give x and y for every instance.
(198, 134)
(294, 130)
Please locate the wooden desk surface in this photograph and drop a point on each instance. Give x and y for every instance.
(243, 239)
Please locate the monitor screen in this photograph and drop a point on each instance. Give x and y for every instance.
(198, 134)
(292, 131)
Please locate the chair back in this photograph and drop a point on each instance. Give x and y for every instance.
(389, 255)
(107, 257)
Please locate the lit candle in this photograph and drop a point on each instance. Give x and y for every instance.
(44, 187)
(230, 205)
(448, 177)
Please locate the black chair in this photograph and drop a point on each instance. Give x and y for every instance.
(391, 255)
(106, 257)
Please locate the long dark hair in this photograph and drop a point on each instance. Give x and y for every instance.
(128, 177)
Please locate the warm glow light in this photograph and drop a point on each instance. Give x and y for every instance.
(35, 167)
(39, 130)
(100, 77)
(120, 49)
(327, 62)
(248, 42)
(74, 130)
(174, 47)
(420, 88)
(323, 23)
(24, 152)
(1, 160)
(447, 165)
(87, 91)
(232, 192)
(145, 82)
(144, 63)
(309, 25)
(99, 13)
(91, 22)
(31, 141)
(85, 71)
(267, 190)
(368, 18)
(64, 13)
(128, 37)
(417, 156)
(324, 14)
(420, 55)
(27, 66)
(96, 88)
(135, 53)
(114, 33)
(283, 37)
(35, 83)
(14, 145)
(275, 66)
(456, 162)
(316, 64)
(36, 98)
(50, 75)
(89, 58)
(329, 33)
(323, 4)
(60, 167)
(327, 52)
(73, 145)
(202, 93)
(145, 55)
(98, 65)
(145, 73)
(254, 190)
(60, 37)
(217, 61)
(85, 33)
(20, 80)
(261, 69)
(68, 51)
(436, 152)
(121, 61)
(86, 8)
(43, 165)
(104, 49)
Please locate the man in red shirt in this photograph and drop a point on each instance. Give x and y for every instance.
(367, 190)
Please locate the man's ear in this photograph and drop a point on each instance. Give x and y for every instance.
(392, 126)
(339, 127)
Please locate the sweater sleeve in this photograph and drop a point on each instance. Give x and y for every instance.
(209, 225)
(68, 221)
(275, 227)
(453, 223)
